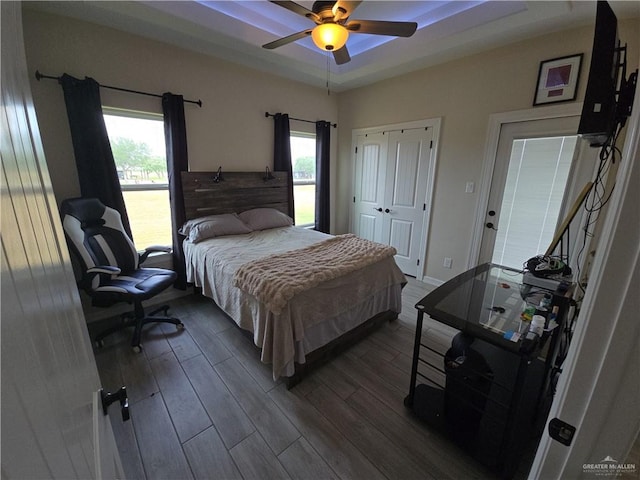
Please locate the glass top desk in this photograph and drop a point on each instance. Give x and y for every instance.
(487, 302)
(500, 396)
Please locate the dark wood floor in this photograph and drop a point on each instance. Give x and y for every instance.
(203, 406)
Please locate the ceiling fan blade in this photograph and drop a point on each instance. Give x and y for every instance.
(377, 27)
(343, 8)
(299, 9)
(285, 40)
(341, 56)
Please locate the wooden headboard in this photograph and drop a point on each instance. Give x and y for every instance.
(236, 192)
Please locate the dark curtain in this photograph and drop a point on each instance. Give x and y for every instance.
(282, 153)
(94, 159)
(175, 134)
(323, 203)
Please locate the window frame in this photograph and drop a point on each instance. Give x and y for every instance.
(306, 135)
(156, 258)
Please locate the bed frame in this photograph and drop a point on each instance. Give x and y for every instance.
(214, 193)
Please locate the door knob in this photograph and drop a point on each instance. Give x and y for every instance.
(491, 213)
(379, 209)
(491, 226)
(386, 210)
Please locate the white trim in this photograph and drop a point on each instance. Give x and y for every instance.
(306, 136)
(301, 134)
(496, 121)
(431, 182)
(430, 122)
(123, 112)
(432, 281)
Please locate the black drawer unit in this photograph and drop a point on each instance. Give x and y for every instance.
(491, 390)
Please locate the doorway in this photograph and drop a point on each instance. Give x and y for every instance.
(539, 167)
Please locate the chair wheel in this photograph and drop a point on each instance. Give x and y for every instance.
(137, 348)
(180, 326)
(99, 343)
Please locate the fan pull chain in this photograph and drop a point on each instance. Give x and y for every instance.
(328, 73)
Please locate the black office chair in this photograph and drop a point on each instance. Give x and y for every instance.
(111, 265)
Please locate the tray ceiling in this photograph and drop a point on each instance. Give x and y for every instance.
(235, 31)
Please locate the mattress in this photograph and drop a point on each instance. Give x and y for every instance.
(311, 318)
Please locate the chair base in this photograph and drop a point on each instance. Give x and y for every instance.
(137, 320)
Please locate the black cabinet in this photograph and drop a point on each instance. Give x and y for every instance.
(497, 387)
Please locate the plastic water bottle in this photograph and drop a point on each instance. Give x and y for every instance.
(545, 302)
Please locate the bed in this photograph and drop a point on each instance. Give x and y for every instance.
(301, 323)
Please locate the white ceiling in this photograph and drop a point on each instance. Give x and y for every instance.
(236, 30)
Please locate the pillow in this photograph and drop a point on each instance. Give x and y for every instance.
(264, 218)
(214, 226)
(186, 227)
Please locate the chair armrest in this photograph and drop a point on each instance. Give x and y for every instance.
(107, 269)
(153, 249)
(87, 279)
(158, 248)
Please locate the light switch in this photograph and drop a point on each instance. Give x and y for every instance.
(470, 187)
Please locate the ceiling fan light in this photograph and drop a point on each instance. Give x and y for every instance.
(329, 36)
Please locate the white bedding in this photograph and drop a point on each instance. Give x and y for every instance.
(312, 318)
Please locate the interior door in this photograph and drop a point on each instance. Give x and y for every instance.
(534, 179)
(405, 196)
(49, 375)
(370, 179)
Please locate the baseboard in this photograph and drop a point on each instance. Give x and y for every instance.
(432, 281)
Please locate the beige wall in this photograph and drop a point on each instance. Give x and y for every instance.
(230, 130)
(464, 93)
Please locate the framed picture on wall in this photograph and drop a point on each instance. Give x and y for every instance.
(558, 80)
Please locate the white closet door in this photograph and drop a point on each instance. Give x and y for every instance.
(370, 177)
(393, 170)
(405, 192)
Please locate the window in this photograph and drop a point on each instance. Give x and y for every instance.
(532, 200)
(137, 142)
(303, 161)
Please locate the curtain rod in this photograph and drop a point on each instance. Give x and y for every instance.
(40, 75)
(267, 114)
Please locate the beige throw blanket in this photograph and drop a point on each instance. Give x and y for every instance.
(275, 279)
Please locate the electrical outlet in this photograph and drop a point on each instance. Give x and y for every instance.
(447, 262)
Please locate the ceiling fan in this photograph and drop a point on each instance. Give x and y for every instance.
(333, 26)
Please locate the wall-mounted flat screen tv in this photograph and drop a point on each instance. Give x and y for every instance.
(598, 119)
